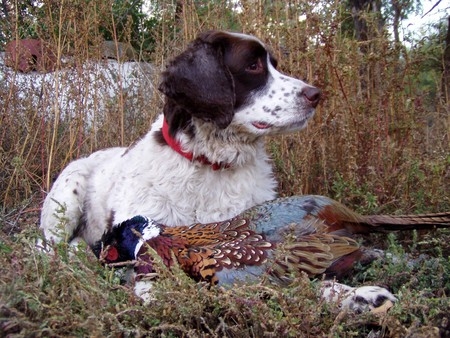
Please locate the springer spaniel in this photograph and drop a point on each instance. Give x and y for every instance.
(203, 159)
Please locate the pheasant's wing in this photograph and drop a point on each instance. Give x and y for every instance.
(251, 253)
(240, 243)
(288, 249)
(313, 254)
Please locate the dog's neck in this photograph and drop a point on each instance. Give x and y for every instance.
(175, 145)
(219, 149)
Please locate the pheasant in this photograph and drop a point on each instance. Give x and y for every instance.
(311, 234)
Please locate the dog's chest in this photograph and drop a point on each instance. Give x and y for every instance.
(185, 193)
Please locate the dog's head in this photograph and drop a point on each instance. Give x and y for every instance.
(231, 79)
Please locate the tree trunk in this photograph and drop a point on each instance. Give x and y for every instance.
(364, 29)
(446, 66)
(368, 24)
(397, 8)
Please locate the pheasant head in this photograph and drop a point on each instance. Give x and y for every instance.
(122, 243)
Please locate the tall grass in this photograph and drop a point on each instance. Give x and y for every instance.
(373, 143)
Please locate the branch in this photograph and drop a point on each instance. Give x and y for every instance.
(434, 6)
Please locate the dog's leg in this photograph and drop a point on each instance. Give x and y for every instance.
(63, 215)
(62, 210)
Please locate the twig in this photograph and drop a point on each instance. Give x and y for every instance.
(434, 6)
(120, 264)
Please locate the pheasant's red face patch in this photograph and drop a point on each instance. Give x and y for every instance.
(111, 254)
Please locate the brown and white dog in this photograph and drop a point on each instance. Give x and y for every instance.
(203, 159)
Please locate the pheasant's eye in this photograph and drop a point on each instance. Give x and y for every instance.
(112, 254)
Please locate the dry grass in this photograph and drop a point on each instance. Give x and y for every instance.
(378, 142)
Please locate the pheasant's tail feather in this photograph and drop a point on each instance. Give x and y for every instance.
(409, 222)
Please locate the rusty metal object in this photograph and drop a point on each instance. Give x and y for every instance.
(30, 55)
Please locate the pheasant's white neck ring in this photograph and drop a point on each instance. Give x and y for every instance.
(150, 231)
(175, 145)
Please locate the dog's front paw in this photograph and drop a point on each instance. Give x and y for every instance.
(143, 289)
(364, 298)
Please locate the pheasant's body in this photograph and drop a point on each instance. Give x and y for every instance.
(288, 235)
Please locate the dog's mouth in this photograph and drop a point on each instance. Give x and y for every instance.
(261, 125)
(264, 125)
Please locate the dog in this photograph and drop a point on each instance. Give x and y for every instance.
(203, 159)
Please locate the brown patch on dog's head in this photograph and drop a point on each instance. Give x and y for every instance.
(213, 77)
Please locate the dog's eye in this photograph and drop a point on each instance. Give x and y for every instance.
(255, 68)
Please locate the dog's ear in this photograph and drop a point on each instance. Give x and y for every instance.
(199, 82)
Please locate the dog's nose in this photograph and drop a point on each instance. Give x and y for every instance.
(312, 95)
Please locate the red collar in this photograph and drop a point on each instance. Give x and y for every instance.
(175, 145)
